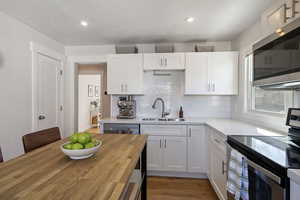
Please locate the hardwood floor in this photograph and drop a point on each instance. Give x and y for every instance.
(161, 188)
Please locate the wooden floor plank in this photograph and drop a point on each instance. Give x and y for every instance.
(161, 188)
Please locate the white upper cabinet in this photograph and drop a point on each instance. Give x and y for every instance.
(223, 73)
(125, 74)
(196, 73)
(164, 61)
(280, 14)
(292, 10)
(212, 73)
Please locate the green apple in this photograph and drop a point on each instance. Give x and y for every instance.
(89, 145)
(83, 138)
(77, 146)
(74, 138)
(68, 146)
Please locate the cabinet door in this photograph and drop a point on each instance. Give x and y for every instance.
(134, 79)
(175, 154)
(115, 74)
(125, 74)
(292, 10)
(196, 74)
(153, 61)
(173, 61)
(154, 153)
(274, 18)
(197, 149)
(218, 159)
(223, 73)
(219, 173)
(164, 61)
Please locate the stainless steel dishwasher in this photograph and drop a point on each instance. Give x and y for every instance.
(117, 128)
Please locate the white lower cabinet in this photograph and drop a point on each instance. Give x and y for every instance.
(174, 154)
(190, 149)
(217, 163)
(197, 149)
(166, 153)
(166, 148)
(154, 153)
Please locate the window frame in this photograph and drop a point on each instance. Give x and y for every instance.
(250, 100)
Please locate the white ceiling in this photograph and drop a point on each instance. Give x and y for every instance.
(136, 21)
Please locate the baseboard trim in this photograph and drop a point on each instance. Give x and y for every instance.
(177, 174)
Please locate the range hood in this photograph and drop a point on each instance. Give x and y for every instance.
(277, 59)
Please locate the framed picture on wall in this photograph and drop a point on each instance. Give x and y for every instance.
(97, 91)
(90, 91)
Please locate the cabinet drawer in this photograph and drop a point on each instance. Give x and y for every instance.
(164, 130)
(218, 141)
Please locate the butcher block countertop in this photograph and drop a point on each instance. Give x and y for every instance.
(47, 173)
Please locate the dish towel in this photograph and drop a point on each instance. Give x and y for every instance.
(237, 180)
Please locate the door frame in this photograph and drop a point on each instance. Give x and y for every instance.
(71, 82)
(37, 49)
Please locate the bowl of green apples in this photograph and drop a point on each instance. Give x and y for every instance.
(81, 146)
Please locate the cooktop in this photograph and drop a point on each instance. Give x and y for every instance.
(282, 150)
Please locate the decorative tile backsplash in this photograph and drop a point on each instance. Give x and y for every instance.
(171, 89)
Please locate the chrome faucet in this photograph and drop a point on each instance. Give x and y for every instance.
(163, 113)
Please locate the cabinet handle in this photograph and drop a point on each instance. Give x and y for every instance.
(190, 132)
(213, 85)
(223, 167)
(165, 143)
(166, 62)
(161, 62)
(159, 143)
(208, 85)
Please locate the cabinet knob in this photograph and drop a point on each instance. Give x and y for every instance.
(42, 117)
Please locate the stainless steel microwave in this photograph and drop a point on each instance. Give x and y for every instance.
(277, 59)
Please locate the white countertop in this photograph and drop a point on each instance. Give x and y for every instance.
(294, 174)
(225, 126)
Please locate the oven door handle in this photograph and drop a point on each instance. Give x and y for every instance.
(266, 172)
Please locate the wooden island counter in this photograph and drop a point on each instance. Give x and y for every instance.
(47, 173)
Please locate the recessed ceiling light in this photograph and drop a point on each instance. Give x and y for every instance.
(190, 19)
(84, 23)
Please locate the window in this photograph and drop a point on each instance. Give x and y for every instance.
(268, 101)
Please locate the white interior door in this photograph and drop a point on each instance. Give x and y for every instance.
(48, 92)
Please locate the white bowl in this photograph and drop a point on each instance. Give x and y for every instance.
(80, 153)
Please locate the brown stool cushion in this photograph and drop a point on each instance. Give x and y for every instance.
(41, 138)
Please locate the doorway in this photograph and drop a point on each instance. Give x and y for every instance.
(91, 101)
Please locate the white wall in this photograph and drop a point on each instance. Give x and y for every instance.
(84, 100)
(171, 89)
(244, 44)
(15, 82)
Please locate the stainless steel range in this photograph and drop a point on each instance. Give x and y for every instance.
(127, 108)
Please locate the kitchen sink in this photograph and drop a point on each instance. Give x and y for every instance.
(164, 119)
